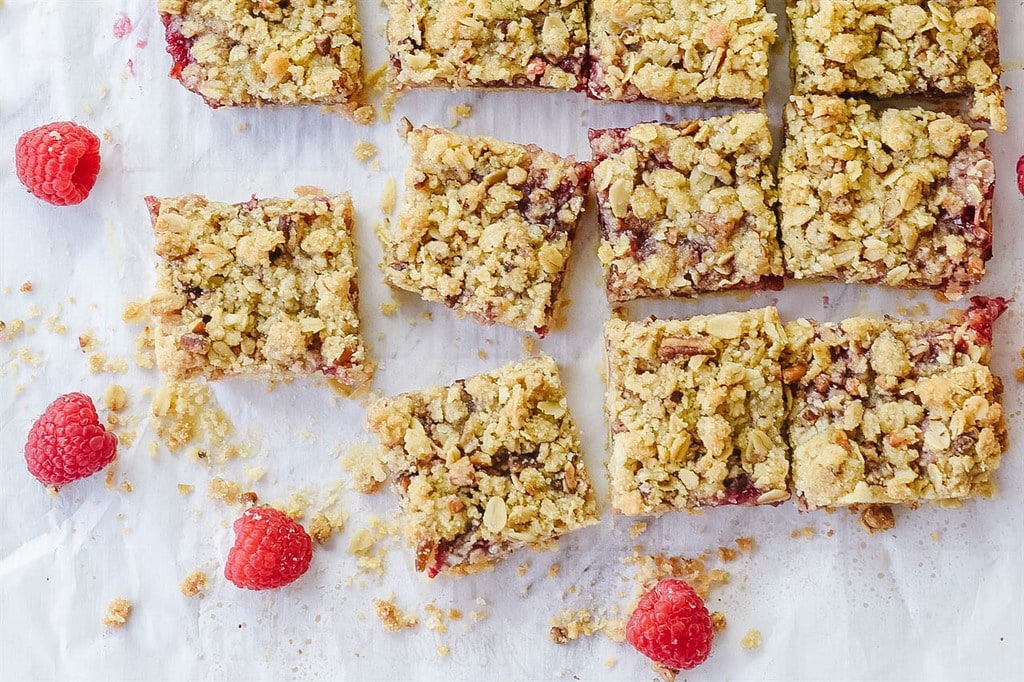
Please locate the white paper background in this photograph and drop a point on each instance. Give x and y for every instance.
(849, 606)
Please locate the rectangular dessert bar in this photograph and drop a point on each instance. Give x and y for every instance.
(894, 410)
(889, 48)
(687, 208)
(266, 288)
(695, 409)
(486, 227)
(680, 52)
(255, 52)
(488, 43)
(485, 466)
(901, 197)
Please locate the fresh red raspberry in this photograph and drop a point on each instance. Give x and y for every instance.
(270, 550)
(671, 626)
(1020, 175)
(58, 162)
(68, 442)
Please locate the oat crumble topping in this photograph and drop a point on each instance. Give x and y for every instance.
(900, 197)
(267, 288)
(486, 227)
(487, 43)
(695, 410)
(687, 208)
(890, 411)
(899, 47)
(680, 51)
(255, 52)
(484, 466)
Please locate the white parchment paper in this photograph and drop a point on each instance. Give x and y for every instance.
(938, 597)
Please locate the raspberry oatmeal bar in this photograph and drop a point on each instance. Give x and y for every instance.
(888, 48)
(486, 227)
(266, 288)
(894, 410)
(901, 197)
(680, 52)
(488, 43)
(485, 466)
(695, 410)
(687, 208)
(255, 52)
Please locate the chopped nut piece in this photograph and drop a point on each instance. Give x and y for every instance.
(877, 517)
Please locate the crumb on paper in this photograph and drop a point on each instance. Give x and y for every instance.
(185, 489)
(389, 196)
(389, 308)
(529, 345)
(751, 640)
(726, 554)
(186, 412)
(224, 490)
(807, 532)
(718, 621)
(638, 529)
(522, 568)
(364, 115)
(464, 110)
(572, 624)
(610, 662)
(437, 619)
(877, 518)
(364, 151)
(481, 353)
(443, 651)
(366, 463)
(310, 191)
(745, 544)
(25, 287)
(115, 397)
(554, 570)
(935, 536)
(320, 529)
(193, 584)
(135, 312)
(241, 126)
(391, 617)
(117, 613)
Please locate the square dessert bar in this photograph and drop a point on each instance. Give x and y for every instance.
(901, 197)
(485, 466)
(266, 288)
(679, 51)
(888, 48)
(488, 43)
(894, 410)
(687, 208)
(255, 52)
(486, 227)
(695, 410)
